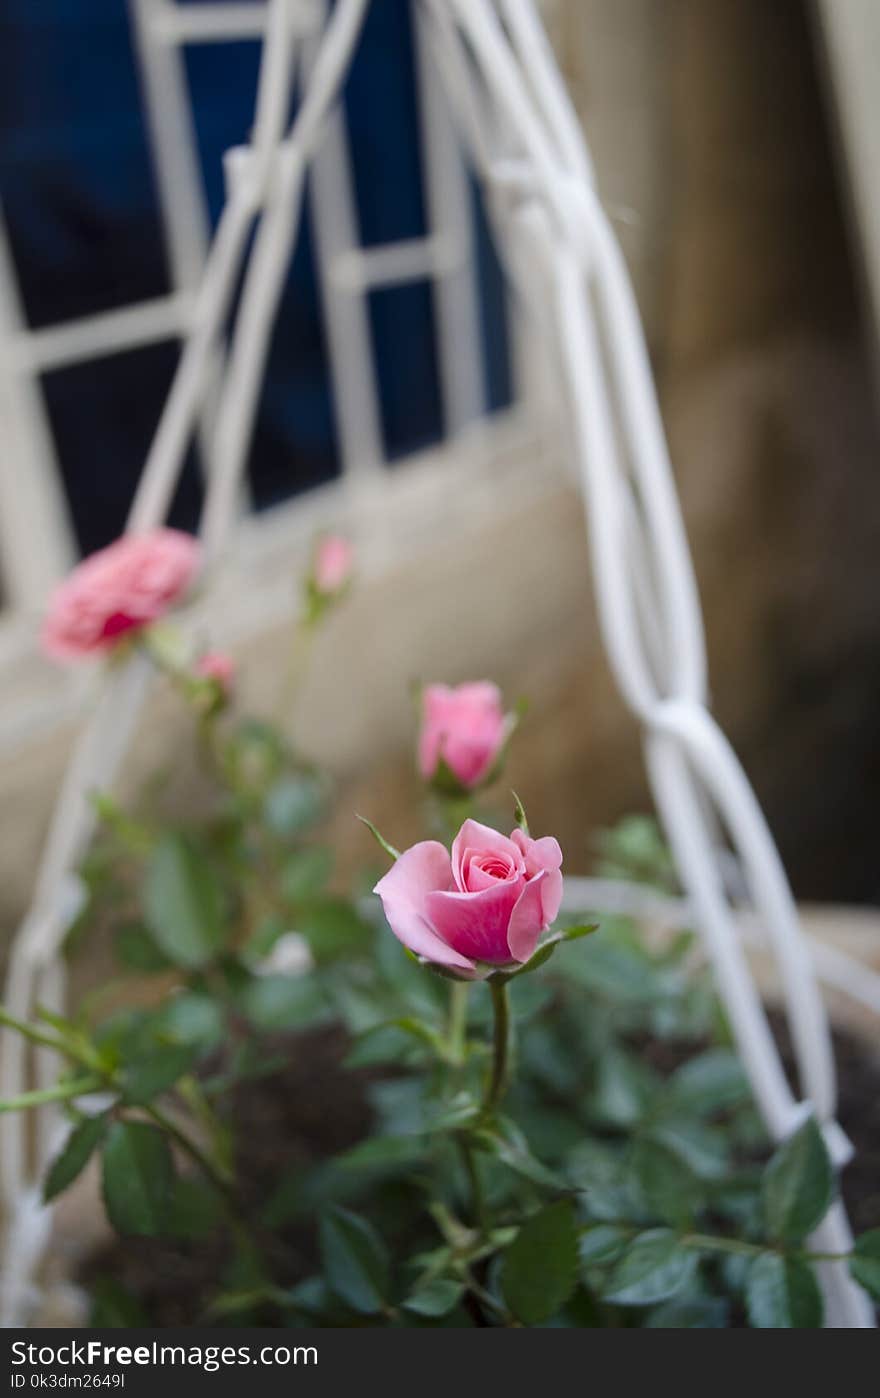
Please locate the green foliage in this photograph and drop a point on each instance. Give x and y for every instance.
(865, 1262)
(138, 1177)
(83, 1140)
(435, 1298)
(782, 1294)
(293, 804)
(150, 1076)
(654, 1267)
(666, 1185)
(183, 902)
(634, 849)
(798, 1184)
(355, 1261)
(136, 950)
(539, 1269)
(622, 1179)
(334, 928)
(283, 1002)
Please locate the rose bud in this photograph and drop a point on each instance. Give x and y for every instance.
(117, 591)
(463, 734)
(333, 564)
(489, 902)
(218, 666)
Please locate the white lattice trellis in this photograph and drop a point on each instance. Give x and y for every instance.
(560, 253)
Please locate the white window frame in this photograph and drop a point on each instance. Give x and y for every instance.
(32, 498)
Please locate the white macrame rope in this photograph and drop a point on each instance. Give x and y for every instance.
(34, 977)
(518, 123)
(688, 758)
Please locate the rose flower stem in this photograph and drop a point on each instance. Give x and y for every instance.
(458, 998)
(497, 1085)
(480, 1219)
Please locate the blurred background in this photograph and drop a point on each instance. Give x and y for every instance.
(734, 144)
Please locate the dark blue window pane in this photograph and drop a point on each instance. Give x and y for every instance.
(80, 201)
(123, 395)
(406, 364)
(383, 127)
(75, 170)
(294, 443)
(222, 79)
(493, 313)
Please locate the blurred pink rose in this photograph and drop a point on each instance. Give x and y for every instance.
(489, 902)
(466, 727)
(121, 588)
(217, 665)
(334, 558)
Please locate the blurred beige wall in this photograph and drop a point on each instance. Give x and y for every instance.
(711, 144)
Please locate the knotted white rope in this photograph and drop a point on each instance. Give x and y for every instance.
(643, 573)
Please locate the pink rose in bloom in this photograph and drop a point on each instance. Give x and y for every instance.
(466, 727)
(334, 558)
(489, 902)
(216, 665)
(122, 588)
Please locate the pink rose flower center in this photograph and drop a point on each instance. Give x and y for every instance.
(494, 865)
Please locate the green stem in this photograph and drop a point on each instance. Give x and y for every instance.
(487, 1300)
(457, 1038)
(61, 1092)
(239, 1224)
(195, 1152)
(190, 1089)
(736, 1245)
(501, 1035)
(27, 1031)
(294, 670)
(707, 1242)
(479, 1201)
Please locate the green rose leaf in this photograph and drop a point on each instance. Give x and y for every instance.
(539, 1269)
(283, 1002)
(137, 951)
(653, 1268)
(508, 1144)
(435, 1298)
(74, 1156)
(193, 1018)
(711, 1082)
(797, 1184)
(542, 953)
(305, 873)
(157, 1071)
(183, 903)
(195, 1209)
(694, 1313)
(355, 1260)
(460, 1110)
(623, 1090)
(333, 928)
(391, 1154)
(665, 1183)
(138, 1177)
(864, 1263)
(603, 1243)
(782, 1294)
(293, 804)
